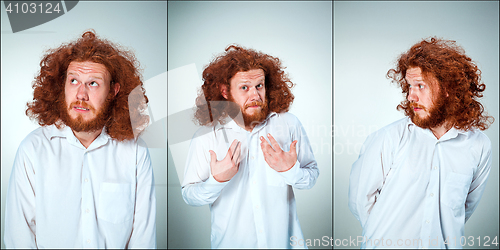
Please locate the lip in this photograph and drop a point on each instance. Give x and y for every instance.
(417, 109)
(77, 109)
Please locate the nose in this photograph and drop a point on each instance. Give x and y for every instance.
(82, 94)
(254, 94)
(412, 96)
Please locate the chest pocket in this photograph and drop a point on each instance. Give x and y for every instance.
(455, 191)
(115, 202)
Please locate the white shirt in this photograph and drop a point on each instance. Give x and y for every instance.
(409, 189)
(256, 208)
(62, 195)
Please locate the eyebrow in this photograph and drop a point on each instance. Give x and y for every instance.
(91, 77)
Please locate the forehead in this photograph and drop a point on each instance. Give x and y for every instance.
(247, 76)
(87, 68)
(414, 72)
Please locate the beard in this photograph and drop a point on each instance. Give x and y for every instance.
(437, 113)
(252, 120)
(78, 124)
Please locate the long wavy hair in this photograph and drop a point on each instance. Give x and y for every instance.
(123, 68)
(211, 106)
(457, 75)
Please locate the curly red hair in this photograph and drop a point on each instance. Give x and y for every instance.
(457, 75)
(220, 71)
(123, 68)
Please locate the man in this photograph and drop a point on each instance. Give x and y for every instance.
(246, 167)
(418, 180)
(82, 180)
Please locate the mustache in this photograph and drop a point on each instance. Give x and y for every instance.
(81, 104)
(414, 105)
(254, 103)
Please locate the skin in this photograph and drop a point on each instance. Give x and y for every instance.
(88, 83)
(421, 93)
(247, 87)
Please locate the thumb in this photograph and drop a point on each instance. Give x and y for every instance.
(213, 157)
(293, 147)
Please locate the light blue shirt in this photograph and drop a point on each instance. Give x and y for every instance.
(62, 195)
(256, 208)
(409, 189)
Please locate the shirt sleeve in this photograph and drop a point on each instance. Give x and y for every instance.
(368, 174)
(305, 172)
(20, 213)
(144, 227)
(479, 180)
(199, 186)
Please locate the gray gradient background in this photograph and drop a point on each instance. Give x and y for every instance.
(368, 36)
(140, 26)
(300, 34)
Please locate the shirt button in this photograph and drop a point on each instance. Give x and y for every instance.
(257, 206)
(432, 194)
(254, 182)
(260, 231)
(435, 167)
(427, 221)
(88, 241)
(253, 158)
(87, 210)
(86, 180)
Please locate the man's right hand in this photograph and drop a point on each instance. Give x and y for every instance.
(224, 170)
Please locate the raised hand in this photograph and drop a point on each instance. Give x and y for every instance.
(224, 170)
(276, 158)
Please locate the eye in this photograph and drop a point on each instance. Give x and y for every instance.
(420, 86)
(73, 81)
(94, 84)
(244, 88)
(259, 86)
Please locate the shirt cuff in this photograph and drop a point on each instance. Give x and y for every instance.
(293, 174)
(213, 186)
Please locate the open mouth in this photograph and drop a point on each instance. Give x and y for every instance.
(78, 108)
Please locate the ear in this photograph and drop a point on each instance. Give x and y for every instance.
(223, 90)
(117, 88)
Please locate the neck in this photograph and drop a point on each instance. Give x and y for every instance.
(441, 130)
(242, 125)
(86, 138)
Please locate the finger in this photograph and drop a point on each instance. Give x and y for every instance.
(267, 155)
(267, 150)
(213, 157)
(231, 150)
(275, 144)
(265, 145)
(237, 154)
(293, 147)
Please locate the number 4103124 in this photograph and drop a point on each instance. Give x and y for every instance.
(32, 8)
(471, 241)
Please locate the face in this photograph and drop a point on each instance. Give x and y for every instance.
(425, 99)
(249, 92)
(87, 96)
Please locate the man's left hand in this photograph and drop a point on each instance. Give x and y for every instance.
(275, 157)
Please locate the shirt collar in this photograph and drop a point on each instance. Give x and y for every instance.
(233, 125)
(452, 133)
(66, 132)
